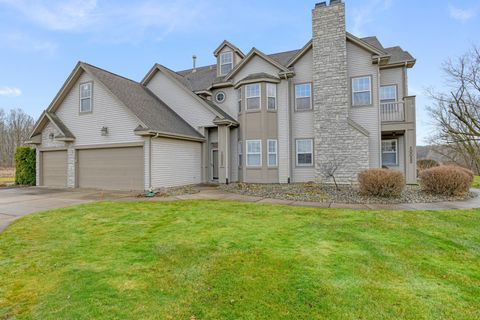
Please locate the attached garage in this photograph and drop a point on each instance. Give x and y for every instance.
(54, 168)
(111, 168)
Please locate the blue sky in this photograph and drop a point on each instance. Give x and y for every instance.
(41, 41)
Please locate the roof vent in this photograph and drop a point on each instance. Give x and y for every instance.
(194, 60)
(321, 4)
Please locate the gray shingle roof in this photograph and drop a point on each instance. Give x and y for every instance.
(219, 110)
(259, 75)
(147, 107)
(66, 133)
(397, 54)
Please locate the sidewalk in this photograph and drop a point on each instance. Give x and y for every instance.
(209, 193)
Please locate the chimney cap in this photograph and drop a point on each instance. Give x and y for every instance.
(335, 2)
(320, 4)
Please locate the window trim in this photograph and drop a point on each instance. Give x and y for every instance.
(396, 152)
(352, 93)
(222, 64)
(388, 85)
(259, 97)
(80, 97)
(271, 153)
(224, 96)
(274, 85)
(254, 153)
(295, 96)
(296, 153)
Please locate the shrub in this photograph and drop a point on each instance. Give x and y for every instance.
(25, 166)
(426, 164)
(446, 180)
(381, 182)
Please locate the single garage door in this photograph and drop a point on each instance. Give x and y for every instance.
(54, 168)
(111, 168)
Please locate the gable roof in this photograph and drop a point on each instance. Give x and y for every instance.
(45, 117)
(226, 43)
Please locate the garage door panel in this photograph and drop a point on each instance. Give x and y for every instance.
(54, 168)
(112, 168)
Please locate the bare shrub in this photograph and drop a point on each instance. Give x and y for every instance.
(381, 183)
(446, 180)
(426, 164)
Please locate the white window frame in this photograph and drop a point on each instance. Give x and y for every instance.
(247, 142)
(362, 91)
(389, 100)
(297, 97)
(230, 53)
(84, 98)
(297, 153)
(240, 153)
(259, 97)
(396, 152)
(272, 86)
(269, 153)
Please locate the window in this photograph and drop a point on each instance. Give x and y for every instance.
(389, 152)
(252, 95)
(254, 153)
(220, 96)
(304, 151)
(271, 96)
(240, 153)
(226, 62)
(239, 99)
(86, 97)
(303, 96)
(272, 153)
(388, 94)
(361, 91)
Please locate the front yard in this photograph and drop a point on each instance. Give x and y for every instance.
(229, 260)
(476, 182)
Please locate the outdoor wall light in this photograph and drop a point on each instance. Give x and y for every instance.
(51, 136)
(104, 131)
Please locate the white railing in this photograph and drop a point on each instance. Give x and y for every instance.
(392, 111)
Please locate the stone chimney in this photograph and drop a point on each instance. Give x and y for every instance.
(337, 138)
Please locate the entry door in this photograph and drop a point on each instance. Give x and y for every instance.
(215, 164)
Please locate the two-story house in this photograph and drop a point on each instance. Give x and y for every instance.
(262, 118)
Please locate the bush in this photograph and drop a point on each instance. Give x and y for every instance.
(446, 180)
(426, 164)
(25, 166)
(381, 182)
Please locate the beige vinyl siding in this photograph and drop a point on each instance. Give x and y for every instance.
(54, 168)
(393, 76)
(175, 162)
(184, 104)
(283, 119)
(359, 62)
(256, 65)
(107, 111)
(230, 105)
(302, 122)
(234, 154)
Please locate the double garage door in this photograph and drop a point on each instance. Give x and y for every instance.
(106, 168)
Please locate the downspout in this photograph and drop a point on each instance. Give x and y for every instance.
(379, 156)
(227, 154)
(150, 162)
(290, 141)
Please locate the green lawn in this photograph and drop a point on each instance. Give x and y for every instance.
(228, 260)
(476, 182)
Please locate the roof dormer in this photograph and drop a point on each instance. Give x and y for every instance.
(228, 56)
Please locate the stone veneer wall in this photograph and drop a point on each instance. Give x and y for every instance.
(336, 140)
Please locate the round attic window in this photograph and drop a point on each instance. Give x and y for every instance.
(220, 96)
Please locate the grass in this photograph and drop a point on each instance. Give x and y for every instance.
(476, 182)
(228, 260)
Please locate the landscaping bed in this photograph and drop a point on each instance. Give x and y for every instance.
(328, 193)
(175, 191)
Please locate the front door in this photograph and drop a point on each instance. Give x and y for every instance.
(215, 164)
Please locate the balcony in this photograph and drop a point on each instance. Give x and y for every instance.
(392, 112)
(398, 115)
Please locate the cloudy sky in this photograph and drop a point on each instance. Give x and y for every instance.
(41, 41)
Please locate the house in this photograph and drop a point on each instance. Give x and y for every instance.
(263, 118)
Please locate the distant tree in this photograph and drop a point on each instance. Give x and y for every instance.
(14, 130)
(456, 114)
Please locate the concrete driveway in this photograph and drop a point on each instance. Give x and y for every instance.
(18, 202)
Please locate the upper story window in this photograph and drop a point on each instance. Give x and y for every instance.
(303, 96)
(254, 153)
(388, 94)
(226, 62)
(271, 96)
(252, 96)
(389, 152)
(304, 152)
(86, 97)
(239, 99)
(362, 91)
(220, 96)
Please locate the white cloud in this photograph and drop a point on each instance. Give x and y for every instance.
(365, 14)
(10, 92)
(462, 15)
(26, 43)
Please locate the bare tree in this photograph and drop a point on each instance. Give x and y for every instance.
(329, 168)
(14, 130)
(456, 114)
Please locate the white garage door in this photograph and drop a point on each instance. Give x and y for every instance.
(111, 168)
(54, 168)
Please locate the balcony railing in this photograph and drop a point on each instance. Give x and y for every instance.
(392, 111)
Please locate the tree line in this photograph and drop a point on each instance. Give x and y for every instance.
(15, 127)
